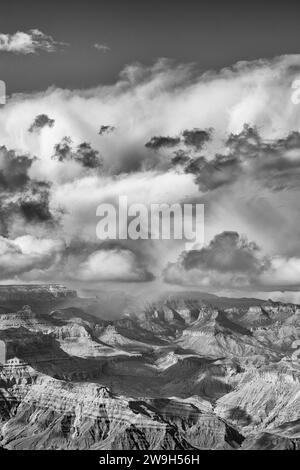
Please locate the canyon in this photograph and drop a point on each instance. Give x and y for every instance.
(190, 371)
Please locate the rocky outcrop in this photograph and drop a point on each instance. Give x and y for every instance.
(34, 292)
(41, 298)
(183, 374)
(58, 415)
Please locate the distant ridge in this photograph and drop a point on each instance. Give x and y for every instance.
(214, 300)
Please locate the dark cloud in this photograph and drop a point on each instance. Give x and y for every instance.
(227, 252)
(34, 204)
(19, 195)
(86, 155)
(29, 205)
(196, 137)
(63, 150)
(156, 143)
(41, 121)
(106, 130)
(230, 260)
(83, 153)
(13, 169)
(180, 158)
(191, 140)
(275, 163)
(215, 173)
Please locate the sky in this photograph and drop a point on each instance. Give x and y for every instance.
(162, 103)
(211, 33)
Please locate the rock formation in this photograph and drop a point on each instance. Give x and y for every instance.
(186, 373)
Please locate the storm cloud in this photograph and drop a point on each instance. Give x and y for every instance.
(14, 169)
(228, 139)
(22, 198)
(274, 163)
(230, 261)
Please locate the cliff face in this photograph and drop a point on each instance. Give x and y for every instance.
(182, 375)
(55, 414)
(40, 296)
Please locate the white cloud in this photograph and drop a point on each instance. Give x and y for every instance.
(284, 274)
(101, 47)
(26, 253)
(84, 195)
(29, 42)
(112, 265)
(163, 100)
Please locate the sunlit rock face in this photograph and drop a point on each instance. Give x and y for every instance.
(183, 374)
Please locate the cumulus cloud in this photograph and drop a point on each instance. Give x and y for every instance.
(246, 176)
(230, 261)
(275, 163)
(79, 199)
(26, 253)
(283, 274)
(115, 264)
(29, 42)
(163, 100)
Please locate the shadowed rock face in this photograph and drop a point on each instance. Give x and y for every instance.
(183, 374)
(42, 297)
